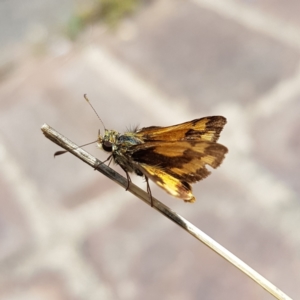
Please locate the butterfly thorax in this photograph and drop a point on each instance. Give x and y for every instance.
(120, 146)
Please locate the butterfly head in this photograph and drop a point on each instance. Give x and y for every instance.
(107, 142)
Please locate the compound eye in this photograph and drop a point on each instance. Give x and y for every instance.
(107, 146)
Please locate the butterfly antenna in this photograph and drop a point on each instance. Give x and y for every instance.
(88, 101)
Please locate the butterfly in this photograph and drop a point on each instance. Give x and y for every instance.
(173, 157)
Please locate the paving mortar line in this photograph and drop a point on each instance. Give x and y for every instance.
(80, 278)
(255, 20)
(27, 196)
(275, 100)
(140, 92)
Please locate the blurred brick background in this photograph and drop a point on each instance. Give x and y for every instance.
(66, 232)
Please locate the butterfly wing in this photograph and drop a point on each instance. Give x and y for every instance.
(174, 165)
(174, 186)
(207, 129)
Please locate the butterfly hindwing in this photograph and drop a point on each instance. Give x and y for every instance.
(170, 184)
(173, 165)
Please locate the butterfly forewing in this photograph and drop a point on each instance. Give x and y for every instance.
(207, 128)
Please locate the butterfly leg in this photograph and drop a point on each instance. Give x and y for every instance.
(149, 190)
(102, 162)
(128, 178)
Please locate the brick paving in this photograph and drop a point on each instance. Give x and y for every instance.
(69, 233)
